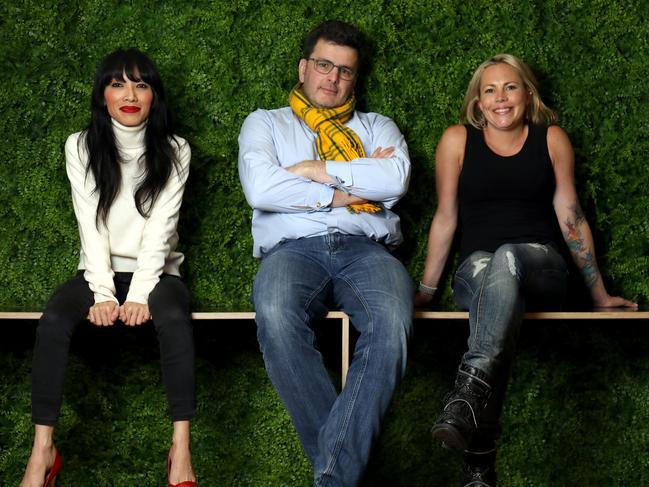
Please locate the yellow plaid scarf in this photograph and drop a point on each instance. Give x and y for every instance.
(335, 142)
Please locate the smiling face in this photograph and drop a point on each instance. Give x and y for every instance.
(503, 97)
(328, 90)
(128, 102)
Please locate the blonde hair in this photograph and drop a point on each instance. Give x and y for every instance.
(536, 112)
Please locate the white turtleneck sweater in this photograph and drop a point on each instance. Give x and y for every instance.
(128, 242)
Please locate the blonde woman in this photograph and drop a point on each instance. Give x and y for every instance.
(505, 180)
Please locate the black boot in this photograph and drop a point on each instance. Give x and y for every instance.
(462, 408)
(479, 469)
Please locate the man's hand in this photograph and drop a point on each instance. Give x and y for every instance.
(381, 153)
(313, 170)
(133, 314)
(341, 199)
(104, 313)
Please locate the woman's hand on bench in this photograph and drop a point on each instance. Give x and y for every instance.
(104, 313)
(614, 302)
(107, 312)
(133, 314)
(422, 300)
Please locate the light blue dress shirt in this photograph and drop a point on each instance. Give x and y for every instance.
(286, 206)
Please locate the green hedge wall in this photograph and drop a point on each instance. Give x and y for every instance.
(576, 413)
(577, 409)
(222, 59)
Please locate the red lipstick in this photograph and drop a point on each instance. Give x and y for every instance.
(129, 109)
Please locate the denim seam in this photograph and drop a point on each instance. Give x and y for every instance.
(312, 296)
(478, 311)
(356, 386)
(465, 283)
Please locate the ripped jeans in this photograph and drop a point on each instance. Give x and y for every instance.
(497, 288)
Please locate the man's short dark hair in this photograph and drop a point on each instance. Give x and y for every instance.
(338, 32)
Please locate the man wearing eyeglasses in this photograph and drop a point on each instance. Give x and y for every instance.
(322, 178)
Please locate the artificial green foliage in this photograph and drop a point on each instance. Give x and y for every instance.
(114, 427)
(221, 60)
(577, 409)
(576, 412)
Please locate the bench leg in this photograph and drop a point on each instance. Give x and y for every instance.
(345, 351)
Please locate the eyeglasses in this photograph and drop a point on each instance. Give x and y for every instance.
(324, 67)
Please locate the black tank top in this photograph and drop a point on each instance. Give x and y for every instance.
(506, 199)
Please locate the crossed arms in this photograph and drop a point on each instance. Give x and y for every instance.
(279, 173)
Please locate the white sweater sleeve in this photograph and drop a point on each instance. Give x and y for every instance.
(160, 229)
(94, 241)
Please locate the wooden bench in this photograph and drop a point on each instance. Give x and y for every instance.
(418, 315)
(217, 316)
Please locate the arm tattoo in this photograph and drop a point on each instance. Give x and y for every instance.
(583, 256)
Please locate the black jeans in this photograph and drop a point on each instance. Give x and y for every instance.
(169, 303)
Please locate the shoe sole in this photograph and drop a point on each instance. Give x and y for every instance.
(450, 437)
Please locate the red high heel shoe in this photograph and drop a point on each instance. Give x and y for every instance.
(184, 483)
(50, 475)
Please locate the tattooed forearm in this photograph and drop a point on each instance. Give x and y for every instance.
(589, 269)
(580, 249)
(578, 213)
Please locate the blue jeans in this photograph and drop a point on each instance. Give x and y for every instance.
(497, 288)
(300, 280)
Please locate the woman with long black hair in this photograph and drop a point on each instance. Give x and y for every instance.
(127, 171)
